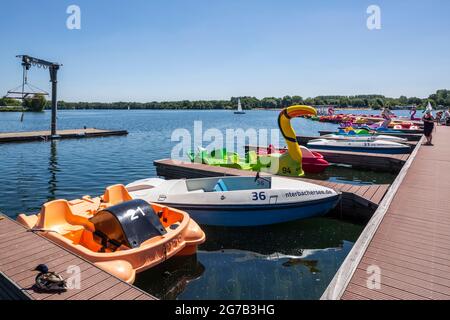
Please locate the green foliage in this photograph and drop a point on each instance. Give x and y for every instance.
(441, 97)
(9, 102)
(403, 100)
(37, 103)
(296, 100)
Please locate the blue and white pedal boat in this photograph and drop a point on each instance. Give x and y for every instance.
(375, 146)
(363, 138)
(239, 201)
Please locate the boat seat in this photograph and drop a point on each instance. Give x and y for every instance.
(220, 186)
(58, 216)
(116, 194)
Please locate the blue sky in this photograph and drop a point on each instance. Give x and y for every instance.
(145, 50)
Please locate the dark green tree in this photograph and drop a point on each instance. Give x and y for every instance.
(8, 102)
(36, 103)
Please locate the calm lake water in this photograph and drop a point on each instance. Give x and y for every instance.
(294, 261)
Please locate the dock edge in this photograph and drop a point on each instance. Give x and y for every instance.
(340, 281)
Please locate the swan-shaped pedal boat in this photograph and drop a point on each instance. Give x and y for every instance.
(117, 233)
(312, 161)
(291, 163)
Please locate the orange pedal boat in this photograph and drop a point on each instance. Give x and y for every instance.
(118, 234)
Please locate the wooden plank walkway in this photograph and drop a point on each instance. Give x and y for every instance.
(365, 196)
(411, 242)
(8, 137)
(361, 160)
(21, 251)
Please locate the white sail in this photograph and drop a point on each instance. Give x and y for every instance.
(239, 109)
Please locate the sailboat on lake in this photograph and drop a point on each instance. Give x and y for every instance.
(239, 109)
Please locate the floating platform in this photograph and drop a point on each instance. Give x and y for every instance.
(360, 160)
(412, 136)
(407, 240)
(21, 251)
(7, 137)
(358, 202)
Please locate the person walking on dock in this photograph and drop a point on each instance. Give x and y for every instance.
(428, 121)
(386, 114)
(439, 117)
(447, 117)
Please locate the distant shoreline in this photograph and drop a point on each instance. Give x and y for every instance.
(13, 109)
(439, 100)
(21, 109)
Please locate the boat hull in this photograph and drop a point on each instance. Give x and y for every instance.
(318, 166)
(257, 215)
(400, 150)
(363, 138)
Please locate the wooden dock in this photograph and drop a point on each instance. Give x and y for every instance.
(21, 251)
(360, 160)
(357, 201)
(408, 238)
(412, 136)
(8, 137)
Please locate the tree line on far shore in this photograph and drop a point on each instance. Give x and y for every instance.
(440, 99)
(35, 103)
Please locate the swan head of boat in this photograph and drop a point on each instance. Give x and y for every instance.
(284, 123)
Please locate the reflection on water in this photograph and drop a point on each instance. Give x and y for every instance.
(52, 169)
(168, 280)
(348, 175)
(310, 264)
(287, 238)
(289, 261)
